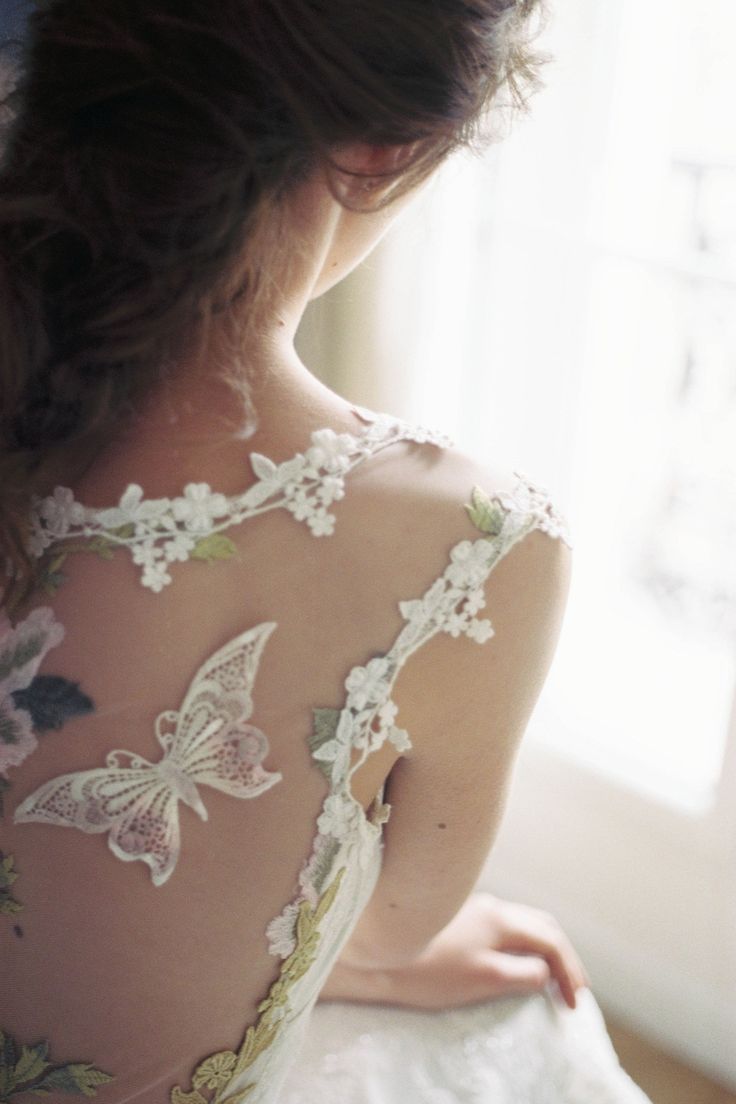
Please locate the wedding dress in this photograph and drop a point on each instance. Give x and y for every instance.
(525, 1050)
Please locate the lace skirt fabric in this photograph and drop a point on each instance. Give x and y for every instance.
(519, 1050)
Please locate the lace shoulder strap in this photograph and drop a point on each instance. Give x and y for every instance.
(449, 605)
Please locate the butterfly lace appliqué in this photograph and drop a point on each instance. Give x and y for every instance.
(207, 742)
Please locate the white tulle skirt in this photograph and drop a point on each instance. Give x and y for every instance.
(518, 1050)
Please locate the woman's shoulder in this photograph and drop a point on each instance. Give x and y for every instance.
(428, 491)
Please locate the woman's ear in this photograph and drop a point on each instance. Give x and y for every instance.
(363, 170)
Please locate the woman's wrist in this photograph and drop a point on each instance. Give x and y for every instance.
(361, 986)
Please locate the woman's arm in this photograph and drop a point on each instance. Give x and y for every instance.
(466, 706)
(491, 948)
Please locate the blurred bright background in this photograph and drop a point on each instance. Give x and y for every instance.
(565, 304)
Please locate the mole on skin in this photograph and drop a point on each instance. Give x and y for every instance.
(440, 825)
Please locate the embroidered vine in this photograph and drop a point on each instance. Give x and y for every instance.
(212, 1077)
(161, 531)
(30, 1071)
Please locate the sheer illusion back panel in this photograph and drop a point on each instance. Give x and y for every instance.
(110, 965)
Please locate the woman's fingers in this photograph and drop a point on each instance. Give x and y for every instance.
(541, 935)
(511, 973)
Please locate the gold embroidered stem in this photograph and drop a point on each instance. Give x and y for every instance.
(212, 1076)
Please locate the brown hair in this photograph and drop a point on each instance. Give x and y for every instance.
(148, 148)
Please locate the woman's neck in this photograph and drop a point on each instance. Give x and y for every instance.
(196, 428)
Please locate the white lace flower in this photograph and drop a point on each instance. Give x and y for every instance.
(340, 817)
(300, 505)
(369, 683)
(321, 523)
(145, 553)
(470, 563)
(132, 508)
(331, 489)
(553, 524)
(198, 506)
(39, 539)
(399, 737)
(59, 511)
(331, 451)
(423, 436)
(475, 602)
(387, 714)
(480, 630)
(155, 576)
(281, 932)
(455, 624)
(178, 548)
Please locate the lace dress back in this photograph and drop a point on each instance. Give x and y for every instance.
(200, 693)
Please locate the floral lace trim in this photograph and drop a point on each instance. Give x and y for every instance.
(213, 1078)
(366, 721)
(164, 530)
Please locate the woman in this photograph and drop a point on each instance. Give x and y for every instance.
(229, 593)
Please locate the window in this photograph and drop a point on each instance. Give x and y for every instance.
(585, 280)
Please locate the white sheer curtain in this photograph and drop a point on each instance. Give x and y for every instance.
(566, 305)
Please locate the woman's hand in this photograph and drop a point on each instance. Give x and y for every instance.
(491, 948)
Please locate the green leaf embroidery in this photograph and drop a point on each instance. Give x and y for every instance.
(33, 1073)
(102, 546)
(214, 547)
(52, 581)
(485, 514)
(124, 531)
(8, 903)
(325, 727)
(51, 576)
(32, 1062)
